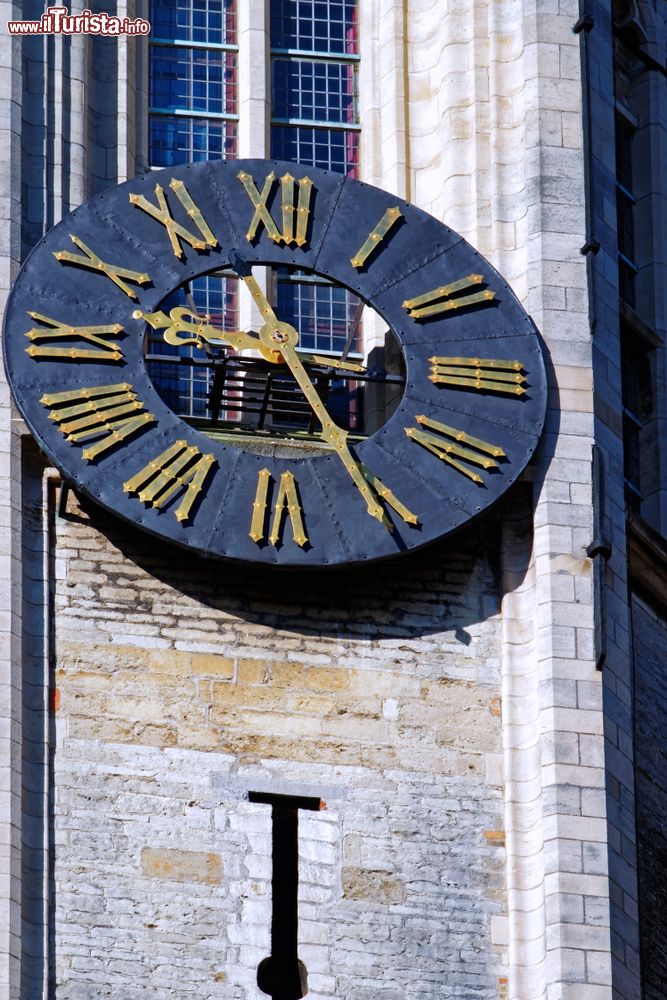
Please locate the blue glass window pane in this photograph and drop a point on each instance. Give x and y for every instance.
(320, 91)
(322, 313)
(193, 80)
(329, 26)
(175, 140)
(332, 149)
(212, 22)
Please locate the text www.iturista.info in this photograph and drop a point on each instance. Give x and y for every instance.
(58, 21)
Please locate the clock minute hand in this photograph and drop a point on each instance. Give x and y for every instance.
(281, 339)
(333, 434)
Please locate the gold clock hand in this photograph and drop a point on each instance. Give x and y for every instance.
(283, 333)
(278, 333)
(260, 298)
(197, 329)
(323, 359)
(271, 319)
(281, 339)
(332, 433)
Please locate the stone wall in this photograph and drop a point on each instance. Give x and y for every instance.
(182, 687)
(496, 105)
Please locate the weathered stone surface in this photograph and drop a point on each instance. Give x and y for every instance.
(174, 865)
(381, 699)
(372, 886)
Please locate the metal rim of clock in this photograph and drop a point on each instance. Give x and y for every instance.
(444, 479)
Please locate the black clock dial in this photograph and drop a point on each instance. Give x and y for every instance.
(292, 454)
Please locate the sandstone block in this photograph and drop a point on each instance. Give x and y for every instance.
(374, 886)
(212, 665)
(174, 865)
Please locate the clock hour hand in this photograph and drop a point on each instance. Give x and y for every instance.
(346, 366)
(196, 329)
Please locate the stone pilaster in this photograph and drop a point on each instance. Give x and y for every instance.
(10, 532)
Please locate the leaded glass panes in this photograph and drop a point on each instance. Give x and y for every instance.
(323, 313)
(181, 139)
(320, 90)
(315, 25)
(193, 81)
(331, 149)
(322, 147)
(186, 79)
(208, 22)
(309, 94)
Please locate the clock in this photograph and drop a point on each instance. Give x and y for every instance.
(317, 459)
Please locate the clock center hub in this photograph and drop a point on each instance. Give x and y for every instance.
(281, 334)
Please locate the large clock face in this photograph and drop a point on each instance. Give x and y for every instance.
(458, 381)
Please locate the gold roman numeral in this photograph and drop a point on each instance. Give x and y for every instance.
(110, 413)
(174, 229)
(286, 505)
(375, 237)
(113, 271)
(182, 467)
(456, 447)
(104, 350)
(481, 374)
(446, 298)
(295, 218)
